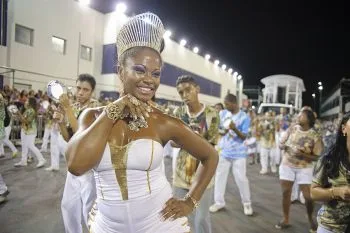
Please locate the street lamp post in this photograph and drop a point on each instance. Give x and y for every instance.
(320, 88)
(313, 97)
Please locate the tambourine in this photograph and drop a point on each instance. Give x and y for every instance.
(55, 89)
(45, 104)
(12, 109)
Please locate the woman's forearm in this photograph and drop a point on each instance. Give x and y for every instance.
(86, 147)
(310, 157)
(324, 194)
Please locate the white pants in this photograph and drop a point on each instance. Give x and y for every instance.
(3, 187)
(79, 196)
(239, 173)
(46, 136)
(277, 149)
(28, 143)
(58, 147)
(264, 158)
(7, 141)
(258, 147)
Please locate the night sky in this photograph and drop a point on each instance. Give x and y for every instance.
(259, 38)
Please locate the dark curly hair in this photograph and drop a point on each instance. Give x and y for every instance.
(335, 156)
(310, 117)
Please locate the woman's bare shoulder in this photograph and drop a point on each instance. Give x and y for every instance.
(161, 116)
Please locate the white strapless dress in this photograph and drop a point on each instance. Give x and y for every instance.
(132, 190)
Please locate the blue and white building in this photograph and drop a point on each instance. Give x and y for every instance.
(42, 40)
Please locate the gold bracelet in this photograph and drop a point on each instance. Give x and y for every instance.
(114, 112)
(194, 201)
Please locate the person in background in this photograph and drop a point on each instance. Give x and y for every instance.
(250, 143)
(301, 146)
(29, 133)
(233, 153)
(219, 107)
(283, 122)
(79, 191)
(331, 183)
(47, 116)
(58, 144)
(2, 119)
(4, 192)
(204, 120)
(267, 132)
(7, 125)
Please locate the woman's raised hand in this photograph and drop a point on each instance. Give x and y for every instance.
(133, 107)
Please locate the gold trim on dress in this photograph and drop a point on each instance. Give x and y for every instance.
(119, 157)
(149, 167)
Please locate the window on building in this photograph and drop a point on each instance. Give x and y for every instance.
(59, 45)
(85, 53)
(24, 35)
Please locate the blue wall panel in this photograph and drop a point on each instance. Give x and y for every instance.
(109, 59)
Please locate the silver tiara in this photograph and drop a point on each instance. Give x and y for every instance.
(144, 30)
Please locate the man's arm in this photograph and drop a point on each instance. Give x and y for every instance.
(245, 128)
(64, 131)
(69, 113)
(213, 131)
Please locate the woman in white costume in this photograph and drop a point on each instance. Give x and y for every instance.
(123, 143)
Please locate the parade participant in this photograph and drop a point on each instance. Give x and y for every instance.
(29, 133)
(331, 183)
(79, 192)
(7, 118)
(301, 146)
(4, 192)
(204, 120)
(233, 153)
(123, 144)
(267, 132)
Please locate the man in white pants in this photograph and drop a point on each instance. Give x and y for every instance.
(233, 153)
(6, 140)
(58, 147)
(268, 146)
(79, 192)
